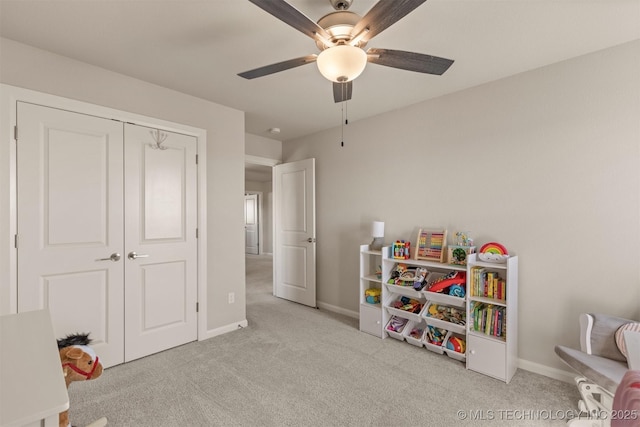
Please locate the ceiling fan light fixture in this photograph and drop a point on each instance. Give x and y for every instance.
(341, 63)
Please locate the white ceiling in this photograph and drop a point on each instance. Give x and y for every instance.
(198, 46)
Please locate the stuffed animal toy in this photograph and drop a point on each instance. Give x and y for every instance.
(79, 363)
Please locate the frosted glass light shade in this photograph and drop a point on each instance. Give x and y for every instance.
(341, 63)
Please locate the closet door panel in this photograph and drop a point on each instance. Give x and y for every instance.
(70, 223)
(160, 237)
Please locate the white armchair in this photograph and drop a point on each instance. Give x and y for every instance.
(599, 362)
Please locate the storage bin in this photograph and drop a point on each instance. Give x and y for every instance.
(451, 348)
(445, 317)
(433, 338)
(395, 326)
(399, 307)
(414, 332)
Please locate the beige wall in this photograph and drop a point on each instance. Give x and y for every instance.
(260, 146)
(31, 68)
(545, 162)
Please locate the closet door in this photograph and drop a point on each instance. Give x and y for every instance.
(70, 224)
(160, 240)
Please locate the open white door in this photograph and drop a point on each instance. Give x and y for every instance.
(251, 239)
(294, 252)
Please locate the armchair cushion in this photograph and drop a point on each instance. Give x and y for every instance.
(603, 342)
(632, 326)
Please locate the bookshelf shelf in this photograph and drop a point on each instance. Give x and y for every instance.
(483, 335)
(486, 300)
(370, 313)
(492, 344)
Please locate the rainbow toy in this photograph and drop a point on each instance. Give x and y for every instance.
(493, 252)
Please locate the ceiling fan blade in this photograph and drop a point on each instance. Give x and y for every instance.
(342, 91)
(293, 17)
(382, 15)
(410, 61)
(280, 66)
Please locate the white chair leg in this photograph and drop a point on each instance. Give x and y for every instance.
(596, 404)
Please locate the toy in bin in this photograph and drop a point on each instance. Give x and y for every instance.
(396, 324)
(453, 283)
(456, 344)
(435, 335)
(372, 295)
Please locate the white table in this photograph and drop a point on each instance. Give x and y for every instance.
(32, 387)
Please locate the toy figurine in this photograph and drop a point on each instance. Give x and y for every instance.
(79, 363)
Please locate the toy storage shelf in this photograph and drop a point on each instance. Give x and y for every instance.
(370, 313)
(392, 292)
(487, 353)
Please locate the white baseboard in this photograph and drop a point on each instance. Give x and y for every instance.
(339, 310)
(547, 371)
(222, 330)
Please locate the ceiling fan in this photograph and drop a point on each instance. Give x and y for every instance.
(341, 37)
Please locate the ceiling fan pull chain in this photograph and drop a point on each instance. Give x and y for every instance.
(342, 124)
(346, 114)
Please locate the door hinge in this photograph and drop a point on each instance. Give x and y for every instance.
(15, 241)
(196, 233)
(197, 307)
(15, 133)
(196, 159)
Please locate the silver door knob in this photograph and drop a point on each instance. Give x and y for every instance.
(133, 255)
(114, 257)
(311, 239)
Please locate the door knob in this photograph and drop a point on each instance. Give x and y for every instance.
(114, 257)
(133, 255)
(311, 240)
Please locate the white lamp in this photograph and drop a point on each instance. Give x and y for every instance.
(377, 232)
(341, 63)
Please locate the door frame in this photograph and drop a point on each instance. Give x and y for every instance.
(263, 161)
(9, 97)
(259, 217)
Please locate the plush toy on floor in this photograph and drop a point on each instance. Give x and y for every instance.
(79, 363)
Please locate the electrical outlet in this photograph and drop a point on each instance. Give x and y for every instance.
(232, 297)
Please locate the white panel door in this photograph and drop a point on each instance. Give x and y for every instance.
(251, 238)
(70, 224)
(160, 240)
(295, 232)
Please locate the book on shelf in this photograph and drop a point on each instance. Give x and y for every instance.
(487, 283)
(489, 319)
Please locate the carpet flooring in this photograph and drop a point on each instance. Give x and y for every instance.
(298, 366)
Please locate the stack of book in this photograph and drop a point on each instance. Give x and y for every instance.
(487, 283)
(489, 319)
